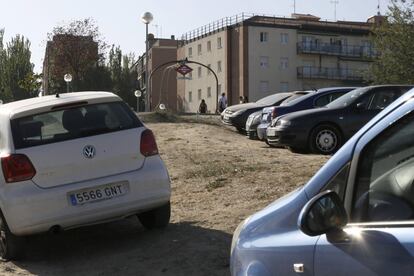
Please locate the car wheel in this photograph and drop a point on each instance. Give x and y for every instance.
(156, 218)
(325, 139)
(10, 244)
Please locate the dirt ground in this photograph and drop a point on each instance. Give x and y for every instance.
(219, 177)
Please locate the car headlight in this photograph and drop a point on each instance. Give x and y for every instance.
(236, 234)
(283, 123)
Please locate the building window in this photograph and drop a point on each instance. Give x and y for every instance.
(219, 89)
(190, 52)
(209, 92)
(199, 72)
(209, 46)
(264, 86)
(284, 63)
(264, 62)
(199, 49)
(263, 36)
(284, 38)
(199, 94)
(219, 43)
(284, 86)
(208, 71)
(190, 96)
(219, 66)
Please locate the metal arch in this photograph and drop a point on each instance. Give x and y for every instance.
(185, 61)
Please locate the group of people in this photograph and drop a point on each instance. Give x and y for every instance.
(222, 103)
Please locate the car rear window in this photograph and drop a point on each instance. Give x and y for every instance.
(76, 122)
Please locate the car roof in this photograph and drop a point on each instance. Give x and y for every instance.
(44, 103)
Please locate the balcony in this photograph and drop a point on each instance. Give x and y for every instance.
(350, 51)
(307, 72)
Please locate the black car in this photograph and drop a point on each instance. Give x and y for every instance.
(324, 130)
(236, 115)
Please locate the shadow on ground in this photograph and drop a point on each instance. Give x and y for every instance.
(126, 248)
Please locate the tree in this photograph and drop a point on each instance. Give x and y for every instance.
(394, 40)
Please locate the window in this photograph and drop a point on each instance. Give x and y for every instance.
(219, 66)
(264, 62)
(219, 43)
(326, 99)
(76, 122)
(199, 71)
(284, 86)
(284, 38)
(190, 96)
(264, 86)
(209, 46)
(199, 94)
(209, 92)
(263, 36)
(384, 183)
(219, 89)
(284, 63)
(190, 52)
(199, 49)
(382, 99)
(208, 71)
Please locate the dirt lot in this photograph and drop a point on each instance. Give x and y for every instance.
(218, 178)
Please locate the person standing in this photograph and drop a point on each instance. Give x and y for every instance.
(245, 100)
(222, 102)
(203, 107)
(241, 100)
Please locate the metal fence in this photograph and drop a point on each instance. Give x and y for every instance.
(308, 72)
(355, 51)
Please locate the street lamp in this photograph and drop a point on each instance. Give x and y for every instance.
(68, 79)
(146, 19)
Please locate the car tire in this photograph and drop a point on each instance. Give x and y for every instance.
(325, 139)
(156, 218)
(11, 246)
(240, 130)
(251, 136)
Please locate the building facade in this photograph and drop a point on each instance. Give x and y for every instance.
(257, 56)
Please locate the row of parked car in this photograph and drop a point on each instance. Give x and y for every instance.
(318, 121)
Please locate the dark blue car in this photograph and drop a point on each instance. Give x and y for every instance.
(319, 98)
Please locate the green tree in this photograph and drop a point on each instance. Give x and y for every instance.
(394, 40)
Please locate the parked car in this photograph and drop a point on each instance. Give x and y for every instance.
(255, 118)
(354, 217)
(318, 98)
(324, 130)
(236, 115)
(63, 166)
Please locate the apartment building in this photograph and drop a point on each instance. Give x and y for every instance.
(255, 56)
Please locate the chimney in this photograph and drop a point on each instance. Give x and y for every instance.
(377, 19)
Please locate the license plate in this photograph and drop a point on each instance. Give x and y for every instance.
(98, 193)
(264, 117)
(271, 132)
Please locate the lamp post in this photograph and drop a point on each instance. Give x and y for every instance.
(68, 79)
(146, 19)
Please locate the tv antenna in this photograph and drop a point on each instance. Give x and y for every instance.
(294, 6)
(335, 2)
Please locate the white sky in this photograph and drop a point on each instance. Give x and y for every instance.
(120, 24)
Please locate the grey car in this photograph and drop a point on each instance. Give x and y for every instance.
(354, 217)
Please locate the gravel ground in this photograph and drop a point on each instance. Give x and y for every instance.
(219, 177)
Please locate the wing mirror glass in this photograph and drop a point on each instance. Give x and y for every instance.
(360, 106)
(322, 214)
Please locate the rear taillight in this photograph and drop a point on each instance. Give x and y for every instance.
(148, 144)
(274, 113)
(17, 167)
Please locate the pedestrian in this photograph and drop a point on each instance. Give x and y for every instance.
(245, 100)
(203, 107)
(222, 102)
(241, 100)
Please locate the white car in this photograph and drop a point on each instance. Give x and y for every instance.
(76, 159)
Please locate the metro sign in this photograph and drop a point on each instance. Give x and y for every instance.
(183, 69)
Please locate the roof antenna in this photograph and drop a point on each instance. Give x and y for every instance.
(294, 6)
(335, 2)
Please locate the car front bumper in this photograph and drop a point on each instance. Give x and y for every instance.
(29, 209)
(286, 137)
(261, 131)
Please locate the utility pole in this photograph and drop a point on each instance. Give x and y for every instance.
(335, 2)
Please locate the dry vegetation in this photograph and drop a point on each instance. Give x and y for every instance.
(218, 178)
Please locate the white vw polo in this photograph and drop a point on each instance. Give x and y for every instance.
(76, 159)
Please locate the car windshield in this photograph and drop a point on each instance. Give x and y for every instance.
(272, 99)
(297, 97)
(82, 121)
(348, 98)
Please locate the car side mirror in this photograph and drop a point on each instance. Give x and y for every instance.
(322, 214)
(360, 106)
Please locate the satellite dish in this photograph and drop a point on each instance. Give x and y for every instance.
(138, 93)
(162, 107)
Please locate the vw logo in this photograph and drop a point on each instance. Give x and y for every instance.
(89, 151)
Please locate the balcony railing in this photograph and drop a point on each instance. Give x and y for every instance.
(353, 51)
(307, 72)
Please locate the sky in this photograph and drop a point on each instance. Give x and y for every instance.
(120, 24)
